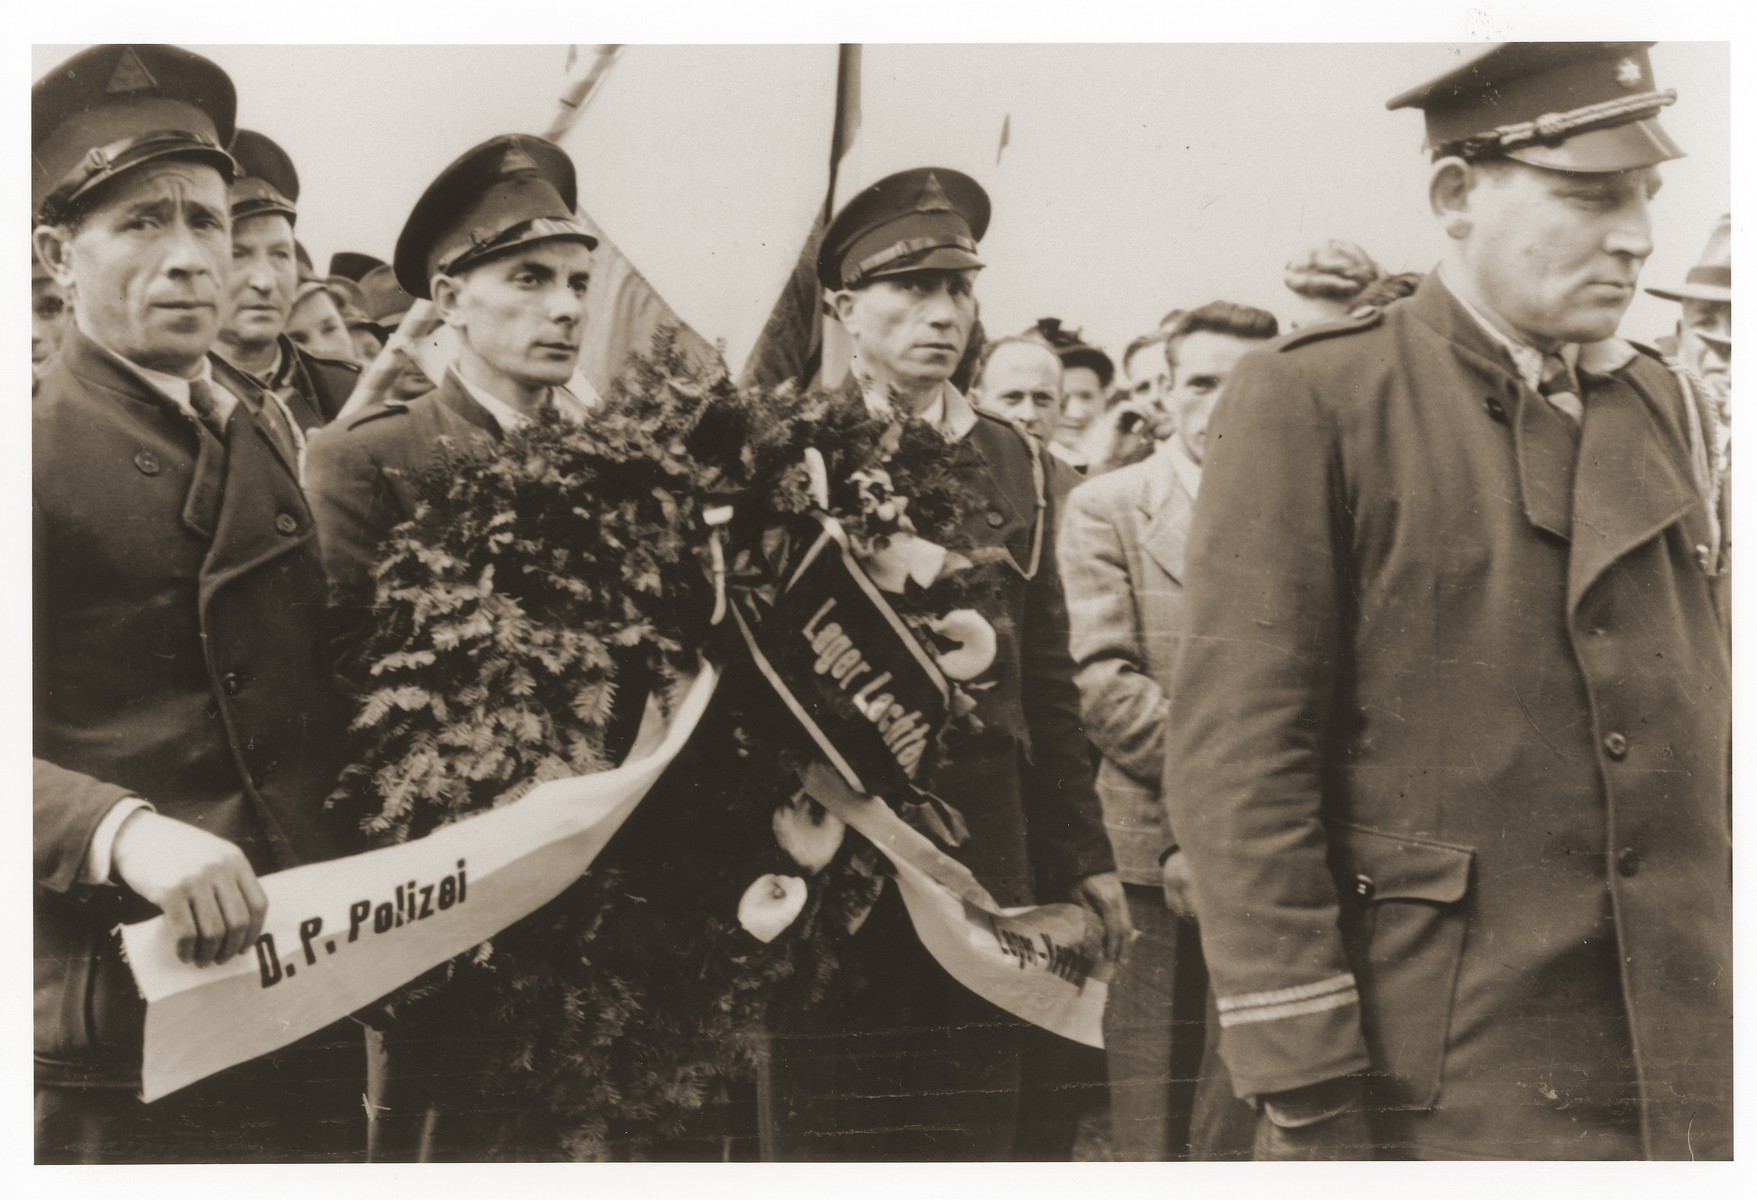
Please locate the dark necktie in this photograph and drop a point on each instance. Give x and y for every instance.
(1558, 386)
(207, 410)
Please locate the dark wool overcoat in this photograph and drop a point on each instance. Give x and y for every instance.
(180, 655)
(1452, 750)
(363, 475)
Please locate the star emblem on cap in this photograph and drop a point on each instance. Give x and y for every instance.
(1629, 73)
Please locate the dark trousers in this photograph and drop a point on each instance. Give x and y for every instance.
(1170, 1097)
(303, 1104)
(915, 1068)
(1060, 1082)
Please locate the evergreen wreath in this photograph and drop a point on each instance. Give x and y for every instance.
(548, 583)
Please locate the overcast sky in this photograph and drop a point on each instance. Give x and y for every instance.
(1137, 178)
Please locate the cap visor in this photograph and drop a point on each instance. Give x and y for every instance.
(1619, 148)
(941, 258)
(1695, 291)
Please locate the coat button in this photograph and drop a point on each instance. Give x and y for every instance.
(1363, 886)
(147, 463)
(1496, 410)
(233, 684)
(1617, 746)
(995, 520)
(287, 523)
(1628, 862)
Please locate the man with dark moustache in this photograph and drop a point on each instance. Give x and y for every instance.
(1450, 758)
(916, 1067)
(264, 280)
(1122, 559)
(186, 721)
(493, 243)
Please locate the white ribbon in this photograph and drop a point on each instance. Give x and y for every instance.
(501, 865)
(347, 932)
(1040, 963)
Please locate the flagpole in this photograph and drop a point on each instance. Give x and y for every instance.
(580, 90)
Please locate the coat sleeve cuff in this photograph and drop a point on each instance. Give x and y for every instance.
(1292, 1037)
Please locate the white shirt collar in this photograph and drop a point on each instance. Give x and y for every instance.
(1073, 458)
(176, 389)
(510, 418)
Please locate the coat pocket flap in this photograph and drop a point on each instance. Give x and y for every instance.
(1371, 865)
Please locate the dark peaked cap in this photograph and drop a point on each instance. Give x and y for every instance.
(352, 265)
(508, 192)
(926, 219)
(112, 108)
(267, 182)
(386, 302)
(1568, 106)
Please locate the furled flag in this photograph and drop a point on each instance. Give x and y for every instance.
(699, 168)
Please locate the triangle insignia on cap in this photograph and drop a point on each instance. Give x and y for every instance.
(933, 196)
(1629, 73)
(516, 161)
(130, 75)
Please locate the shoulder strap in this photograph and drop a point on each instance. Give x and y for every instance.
(1040, 486)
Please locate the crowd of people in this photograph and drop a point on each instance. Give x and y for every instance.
(1364, 670)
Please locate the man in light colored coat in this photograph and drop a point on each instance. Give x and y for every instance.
(1122, 560)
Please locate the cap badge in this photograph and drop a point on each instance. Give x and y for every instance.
(516, 161)
(933, 197)
(1629, 73)
(129, 76)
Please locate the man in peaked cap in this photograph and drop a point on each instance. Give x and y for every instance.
(493, 243)
(264, 281)
(185, 717)
(1705, 327)
(916, 1067)
(1450, 757)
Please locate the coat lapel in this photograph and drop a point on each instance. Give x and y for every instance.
(266, 416)
(262, 514)
(1628, 486)
(455, 398)
(1544, 449)
(97, 368)
(1165, 508)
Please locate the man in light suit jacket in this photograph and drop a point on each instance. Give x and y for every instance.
(1122, 560)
